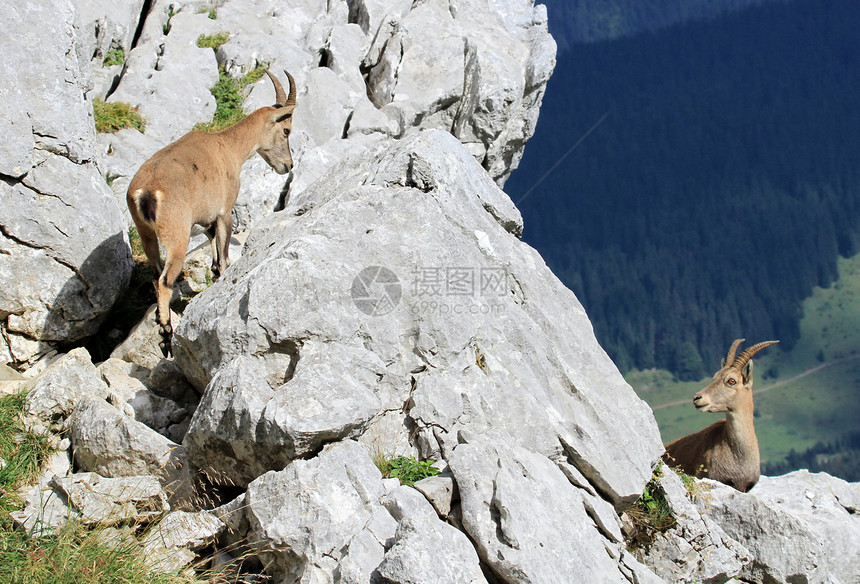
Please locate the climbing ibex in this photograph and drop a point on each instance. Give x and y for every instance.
(195, 180)
(726, 451)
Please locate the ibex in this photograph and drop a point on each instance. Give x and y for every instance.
(726, 451)
(195, 180)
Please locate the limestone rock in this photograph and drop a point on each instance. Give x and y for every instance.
(482, 354)
(697, 548)
(61, 275)
(430, 553)
(113, 445)
(101, 500)
(170, 544)
(141, 345)
(320, 401)
(90, 499)
(106, 26)
(53, 395)
(168, 77)
(533, 538)
(325, 503)
(812, 515)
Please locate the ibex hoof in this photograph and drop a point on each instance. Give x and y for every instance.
(166, 335)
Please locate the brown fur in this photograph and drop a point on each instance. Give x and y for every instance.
(195, 180)
(726, 451)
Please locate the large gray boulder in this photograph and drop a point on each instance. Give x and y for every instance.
(64, 256)
(800, 527)
(392, 295)
(469, 307)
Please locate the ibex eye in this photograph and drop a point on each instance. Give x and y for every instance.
(286, 131)
(731, 381)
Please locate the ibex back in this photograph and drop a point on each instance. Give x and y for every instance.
(195, 180)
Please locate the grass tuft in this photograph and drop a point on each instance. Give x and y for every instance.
(212, 41)
(229, 95)
(114, 57)
(76, 555)
(650, 515)
(113, 116)
(23, 452)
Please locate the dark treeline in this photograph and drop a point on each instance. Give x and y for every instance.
(719, 189)
(840, 458)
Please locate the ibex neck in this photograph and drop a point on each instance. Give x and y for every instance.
(740, 433)
(243, 137)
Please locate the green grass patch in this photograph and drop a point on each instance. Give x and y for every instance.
(212, 41)
(76, 555)
(650, 515)
(23, 452)
(229, 95)
(408, 470)
(114, 57)
(111, 117)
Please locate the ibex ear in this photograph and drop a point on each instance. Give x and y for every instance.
(748, 373)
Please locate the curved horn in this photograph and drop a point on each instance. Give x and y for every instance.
(748, 353)
(730, 358)
(280, 97)
(291, 99)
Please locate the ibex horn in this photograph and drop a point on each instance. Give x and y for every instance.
(730, 358)
(291, 99)
(748, 353)
(280, 97)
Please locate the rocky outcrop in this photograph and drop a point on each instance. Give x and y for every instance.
(365, 69)
(388, 308)
(64, 256)
(800, 527)
(392, 303)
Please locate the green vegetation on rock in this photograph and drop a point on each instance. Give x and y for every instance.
(408, 470)
(113, 116)
(114, 57)
(229, 95)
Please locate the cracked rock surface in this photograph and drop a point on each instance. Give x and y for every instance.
(64, 256)
(365, 70)
(392, 303)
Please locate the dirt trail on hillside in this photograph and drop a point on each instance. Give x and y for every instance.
(801, 375)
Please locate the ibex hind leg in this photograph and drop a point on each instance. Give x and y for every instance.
(164, 290)
(223, 228)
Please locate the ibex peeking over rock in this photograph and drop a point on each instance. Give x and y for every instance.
(726, 451)
(195, 180)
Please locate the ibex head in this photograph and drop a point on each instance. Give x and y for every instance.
(275, 142)
(731, 389)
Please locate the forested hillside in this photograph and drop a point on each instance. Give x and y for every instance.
(718, 190)
(582, 21)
